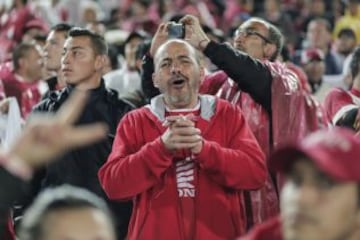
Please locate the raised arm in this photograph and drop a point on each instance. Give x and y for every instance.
(251, 75)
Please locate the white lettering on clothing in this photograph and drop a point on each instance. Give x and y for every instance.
(185, 178)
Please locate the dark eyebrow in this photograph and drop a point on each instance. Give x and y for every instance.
(77, 48)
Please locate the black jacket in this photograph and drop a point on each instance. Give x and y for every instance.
(79, 167)
(12, 188)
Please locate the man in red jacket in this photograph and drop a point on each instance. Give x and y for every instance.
(274, 104)
(21, 80)
(182, 166)
(343, 106)
(320, 198)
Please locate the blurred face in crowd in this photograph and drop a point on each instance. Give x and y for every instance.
(316, 7)
(178, 74)
(353, 7)
(346, 44)
(314, 70)
(53, 50)
(252, 37)
(77, 224)
(33, 64)
(130, 50)
(314, 206)
(80, 64)
(318, 35)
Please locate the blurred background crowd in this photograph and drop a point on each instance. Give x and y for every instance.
(320, 35)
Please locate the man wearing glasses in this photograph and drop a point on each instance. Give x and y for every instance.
(268, 93)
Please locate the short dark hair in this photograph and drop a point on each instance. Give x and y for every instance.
(57, 199)
(347, 32)
(21, 51)
(98, 42)
(62, 27)
(355, 63)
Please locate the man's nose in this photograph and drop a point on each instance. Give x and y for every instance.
(175, 68)
(65, 58)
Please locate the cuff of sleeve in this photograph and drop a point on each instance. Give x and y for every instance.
(16, 166)
(209, 48)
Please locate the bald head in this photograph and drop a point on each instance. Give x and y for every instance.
(173, 42)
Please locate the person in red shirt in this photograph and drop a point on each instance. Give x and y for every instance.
(320, 197)
(270, 95)
(182, 166)
(342, 106)
(21, 80)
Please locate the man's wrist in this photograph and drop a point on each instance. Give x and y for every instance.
(203, 44)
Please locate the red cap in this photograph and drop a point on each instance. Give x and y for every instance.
(36, 23)
(312, 54)
(335, 151)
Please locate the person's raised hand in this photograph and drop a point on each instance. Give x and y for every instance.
(47, 136)
(194, 34)
(160, 37)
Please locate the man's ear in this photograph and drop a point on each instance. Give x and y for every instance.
(22, 63)
(155, 82)
(269, 50)
(100, 62)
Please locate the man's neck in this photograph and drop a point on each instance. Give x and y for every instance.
(88, 85)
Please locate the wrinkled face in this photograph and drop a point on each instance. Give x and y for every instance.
(315, 207)
(314, 70)
(317, 35)
(178, 74)
(80, 224)
(79, 63)
(252, 38)
(34, 64)
(53, 50)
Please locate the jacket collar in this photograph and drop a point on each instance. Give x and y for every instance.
(207, 107)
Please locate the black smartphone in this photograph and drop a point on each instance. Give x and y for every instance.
(176, 30)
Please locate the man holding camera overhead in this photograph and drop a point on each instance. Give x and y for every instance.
(183, 168)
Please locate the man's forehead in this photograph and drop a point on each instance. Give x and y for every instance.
(253, 24)
(80, 41)
(174, 49)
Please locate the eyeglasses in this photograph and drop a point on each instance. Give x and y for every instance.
(250, 32)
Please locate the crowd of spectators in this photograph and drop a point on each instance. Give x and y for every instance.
(281, 69)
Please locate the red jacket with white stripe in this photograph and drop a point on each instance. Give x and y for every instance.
(140, 168)
(338, 102)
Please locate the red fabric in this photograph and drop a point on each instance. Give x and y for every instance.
(140, 168)
(9, 233)
(27, 94)
(270, 230)
(336, 99)
(186, 179)
(294, 114)
(303, 79)
(13, 26)
(2, 91)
